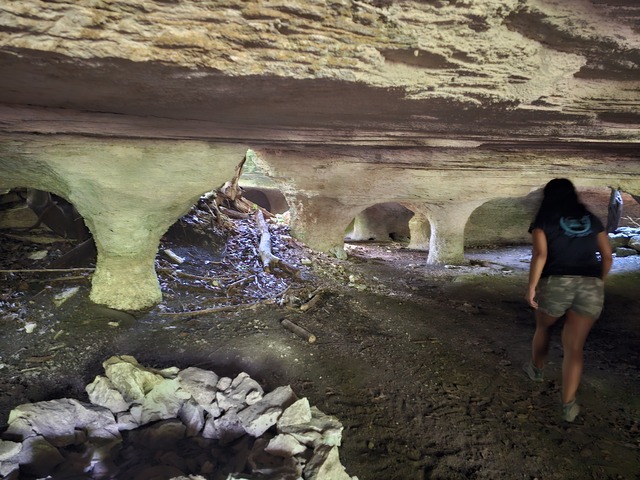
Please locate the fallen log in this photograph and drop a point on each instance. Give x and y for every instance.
(268, 258)
(298, 330)
(57, 214)
(233, 213)
(311, 303)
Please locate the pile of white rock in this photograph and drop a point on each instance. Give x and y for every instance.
(625, 241)
(143, 423)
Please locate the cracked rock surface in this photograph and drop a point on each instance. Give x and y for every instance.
(548, 66)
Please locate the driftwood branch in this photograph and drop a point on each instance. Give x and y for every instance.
(215, 216)
(231, 194)
(225, 308)
(233, 213)
(188, 275)
(298, 330)
(268, 258)
(48, 270)
(61, 279)
(315, 298)
(231, 189)
(239, 283)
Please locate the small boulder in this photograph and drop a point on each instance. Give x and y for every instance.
(201, 384)
(325, 465)
(38, 457)
(259, 417)
(634, 242)
(625, 252)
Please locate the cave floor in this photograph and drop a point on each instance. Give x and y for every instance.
(421, 364)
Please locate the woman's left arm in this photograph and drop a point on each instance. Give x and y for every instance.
(605, 252)
(538, 259)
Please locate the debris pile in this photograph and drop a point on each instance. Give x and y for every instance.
(625, 241)
(143, 423)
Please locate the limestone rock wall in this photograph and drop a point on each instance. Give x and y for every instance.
(439, 105)
(384, 43)
(329, 188)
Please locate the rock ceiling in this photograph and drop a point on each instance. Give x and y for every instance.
(131, 110)
(374, 72)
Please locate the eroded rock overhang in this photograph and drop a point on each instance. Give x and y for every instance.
(536, 67)
(130, 191)
(135, 110)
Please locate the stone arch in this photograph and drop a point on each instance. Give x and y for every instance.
(317, 218)
(270, 199)
(501, 221)
(259, 188)
(382, 222)
(129, 193)
(505, 220)
(46, 217)
(320, 222)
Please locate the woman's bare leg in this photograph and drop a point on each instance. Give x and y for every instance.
(574, 335)
(540, 342)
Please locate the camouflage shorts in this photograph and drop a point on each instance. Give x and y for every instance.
(583, 295)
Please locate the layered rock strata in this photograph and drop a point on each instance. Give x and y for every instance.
(545, 64)
(439, 106)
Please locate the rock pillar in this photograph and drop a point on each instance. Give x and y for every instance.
(127, 241)
(448, 221)
(366, 227)
(320, 222)
(420, 231)
(129, 193)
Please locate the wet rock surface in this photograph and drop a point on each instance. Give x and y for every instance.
(421, 364)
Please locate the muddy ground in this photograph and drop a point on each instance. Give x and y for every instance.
(421, 364)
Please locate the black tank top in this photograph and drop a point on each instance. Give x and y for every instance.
(572, 246)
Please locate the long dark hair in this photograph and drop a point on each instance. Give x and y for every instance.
(560, 200)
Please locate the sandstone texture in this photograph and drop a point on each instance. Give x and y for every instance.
(440, 106)
(418, 66)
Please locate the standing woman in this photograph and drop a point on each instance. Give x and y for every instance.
(566, 277)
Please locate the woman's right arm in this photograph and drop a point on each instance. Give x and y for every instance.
(538, 259)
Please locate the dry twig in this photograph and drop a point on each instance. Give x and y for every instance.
(48, 270)
(225, 308)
